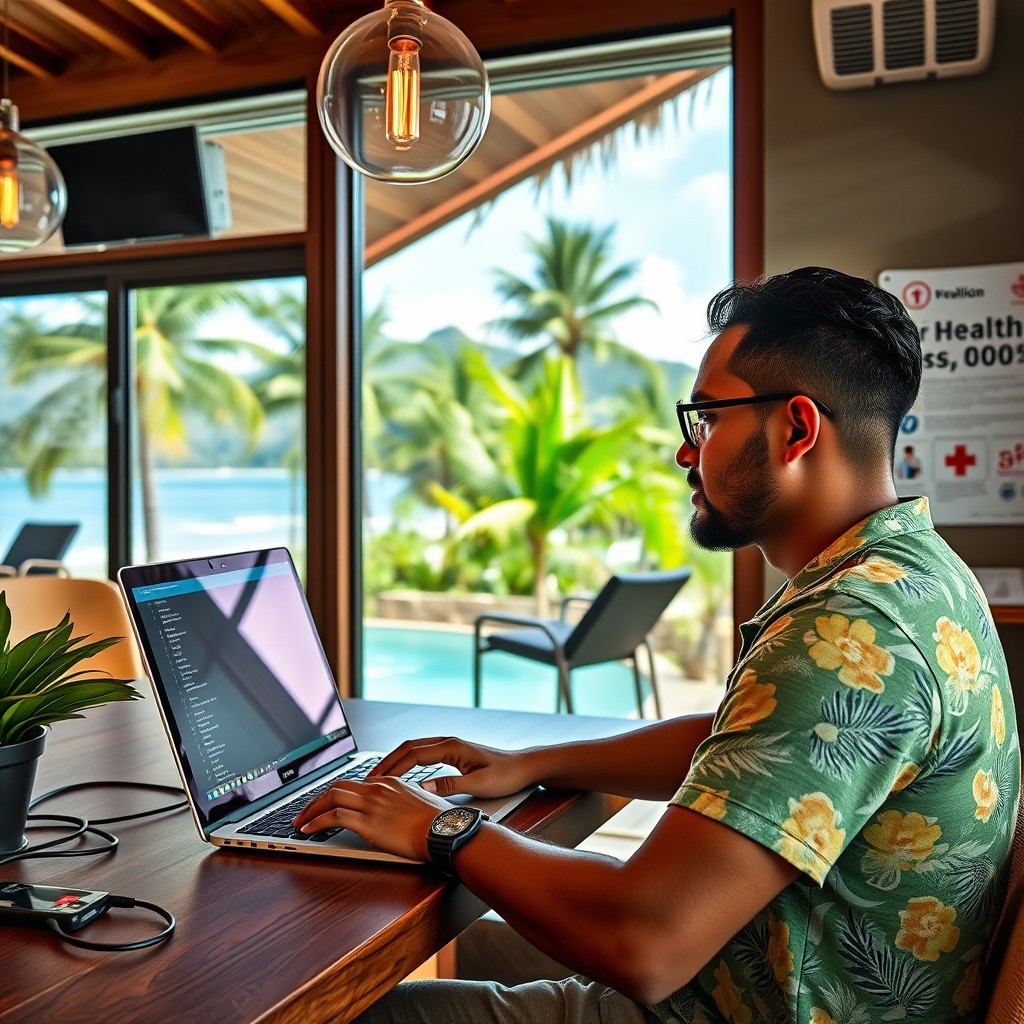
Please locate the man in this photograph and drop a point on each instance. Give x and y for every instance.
(834, 851)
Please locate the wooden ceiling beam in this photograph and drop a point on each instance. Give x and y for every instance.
(569, 142)
(519, 119)
(185, 23)
(28, 55)
(101, 25)
(264, 58)
(299, 15)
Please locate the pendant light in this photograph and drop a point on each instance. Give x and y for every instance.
(33, 198)
(403, 95)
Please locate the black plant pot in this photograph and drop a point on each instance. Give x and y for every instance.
(17, 775)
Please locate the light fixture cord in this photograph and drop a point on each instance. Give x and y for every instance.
(7, 47)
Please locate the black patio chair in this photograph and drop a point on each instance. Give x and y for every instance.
(37, 549)
(614, 627)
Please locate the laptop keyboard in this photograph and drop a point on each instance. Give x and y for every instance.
(278, 822)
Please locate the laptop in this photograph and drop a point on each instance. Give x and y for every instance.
(248, 701)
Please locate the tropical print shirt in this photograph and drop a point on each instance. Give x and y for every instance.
(868, 736)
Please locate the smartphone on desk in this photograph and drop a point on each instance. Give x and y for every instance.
(34, 906)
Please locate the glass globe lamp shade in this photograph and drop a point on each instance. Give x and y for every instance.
(33, 197)
(403, 95)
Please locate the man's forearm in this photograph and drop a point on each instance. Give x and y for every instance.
(646, 764)
(645, 926)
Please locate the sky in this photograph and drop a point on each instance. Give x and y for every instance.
(669, 195)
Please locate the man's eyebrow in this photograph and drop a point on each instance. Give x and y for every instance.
(701, 396)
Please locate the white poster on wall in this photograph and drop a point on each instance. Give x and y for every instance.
(963, 442)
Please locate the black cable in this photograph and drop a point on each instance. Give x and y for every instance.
(121, 901)
(81, 827)
(85, 826)
(115, 784)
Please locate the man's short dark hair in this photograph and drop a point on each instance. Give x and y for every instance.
(837, 338)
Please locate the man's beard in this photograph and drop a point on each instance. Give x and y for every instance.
(752, 498)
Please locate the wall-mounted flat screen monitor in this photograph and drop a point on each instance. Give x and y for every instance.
(148, 186)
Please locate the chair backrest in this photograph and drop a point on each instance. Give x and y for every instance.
(622, 614)
(1004, 970)
(46, 541)
(96, 606)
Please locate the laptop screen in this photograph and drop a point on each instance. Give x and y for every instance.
(246, 691)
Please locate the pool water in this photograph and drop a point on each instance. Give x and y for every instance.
(435, 666)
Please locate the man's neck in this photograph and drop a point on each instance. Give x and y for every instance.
(821, 523)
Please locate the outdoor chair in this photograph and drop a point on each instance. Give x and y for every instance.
(613, 628)
(38, 548)
(97, 609)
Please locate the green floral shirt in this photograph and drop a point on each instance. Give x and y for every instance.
(868, 736)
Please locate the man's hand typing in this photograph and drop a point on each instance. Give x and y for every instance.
(484, 771)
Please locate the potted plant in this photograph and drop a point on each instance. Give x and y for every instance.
(41, 683)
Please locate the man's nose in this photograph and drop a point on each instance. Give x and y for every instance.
(687, 456)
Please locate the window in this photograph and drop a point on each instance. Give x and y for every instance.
(197, 362)
(577, 251)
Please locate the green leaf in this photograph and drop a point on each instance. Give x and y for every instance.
(42, 681)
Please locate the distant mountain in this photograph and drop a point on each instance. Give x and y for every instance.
(598, 380)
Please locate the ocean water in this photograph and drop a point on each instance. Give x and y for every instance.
(200, 512)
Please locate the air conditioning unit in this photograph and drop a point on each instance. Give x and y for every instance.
(862, 43)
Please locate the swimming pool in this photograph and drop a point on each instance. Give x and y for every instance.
(435, 666)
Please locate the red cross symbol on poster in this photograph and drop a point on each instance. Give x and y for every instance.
(960, 460)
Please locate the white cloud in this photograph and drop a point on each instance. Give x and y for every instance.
(677, 329)
(462, 306)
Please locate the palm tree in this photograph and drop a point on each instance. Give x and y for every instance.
(570, 303)
(280, 384)
(554, 470)
(174, 374)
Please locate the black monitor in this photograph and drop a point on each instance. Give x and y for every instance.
(148, 186)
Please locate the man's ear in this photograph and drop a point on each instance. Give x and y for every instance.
(804, 421)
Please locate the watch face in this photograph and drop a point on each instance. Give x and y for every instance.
(454, 821)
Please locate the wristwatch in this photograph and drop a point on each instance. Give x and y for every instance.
(448, 831)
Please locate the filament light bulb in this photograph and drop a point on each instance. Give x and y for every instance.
(33, 197)
(402, 100)
(10, 191)
(403, 95)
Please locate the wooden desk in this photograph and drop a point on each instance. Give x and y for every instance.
(1007, 613)
(275, 939)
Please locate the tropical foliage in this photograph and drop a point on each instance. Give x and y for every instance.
(534, 464)
(572, 301)
(553, 470)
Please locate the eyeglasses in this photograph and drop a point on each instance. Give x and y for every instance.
(691, 414)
